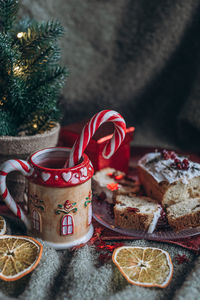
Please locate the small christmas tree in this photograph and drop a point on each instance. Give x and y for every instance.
(30, 77)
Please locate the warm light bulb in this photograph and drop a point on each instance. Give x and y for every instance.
(18, 70)
(35, 126)
(2, 101)
(20, 35)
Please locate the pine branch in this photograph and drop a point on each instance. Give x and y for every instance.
(37, 63)
(8, 11)
(22, 25)
(54, 77)
(38, 122)
(27, 100)
(38, 35)
(7, 123)
(30, 77)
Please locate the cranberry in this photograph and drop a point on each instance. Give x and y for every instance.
(184, 167)
(179, 166)
(177, 161)
(165, 154)
(186, 162)
(168, 154)
(173, 155)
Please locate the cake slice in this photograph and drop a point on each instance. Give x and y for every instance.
(169, 178)
(184, 214)
(140, 213)
(108, 183)
(173, 181)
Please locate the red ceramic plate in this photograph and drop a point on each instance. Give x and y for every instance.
(103, 212)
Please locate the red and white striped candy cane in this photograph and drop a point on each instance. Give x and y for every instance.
(7, 167)
(90, 128)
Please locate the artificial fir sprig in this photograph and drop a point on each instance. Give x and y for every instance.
(39, 34)
(8, 11)
(30, 76)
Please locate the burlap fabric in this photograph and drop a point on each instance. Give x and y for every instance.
(22, 147)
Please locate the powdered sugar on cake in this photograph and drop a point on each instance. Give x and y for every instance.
(163, 170)
(154, 222)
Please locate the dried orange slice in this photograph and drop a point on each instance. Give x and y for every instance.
(144, 266)
(2, 225)
(19, 255)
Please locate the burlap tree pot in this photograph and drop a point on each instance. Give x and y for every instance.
(21, 147)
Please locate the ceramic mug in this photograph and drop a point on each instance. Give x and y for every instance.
(59, 208)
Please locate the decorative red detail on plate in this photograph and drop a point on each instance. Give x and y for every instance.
(113, 186)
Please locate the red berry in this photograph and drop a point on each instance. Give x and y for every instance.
(186, 161)
(184, 167)
(179, 166)
(173, 155)
(165, 154)
(177, 161)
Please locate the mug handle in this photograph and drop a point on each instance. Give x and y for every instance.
(9, 166)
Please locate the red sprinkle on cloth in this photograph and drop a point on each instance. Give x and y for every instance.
(191, 243)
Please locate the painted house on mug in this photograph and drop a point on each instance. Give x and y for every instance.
(65, 214)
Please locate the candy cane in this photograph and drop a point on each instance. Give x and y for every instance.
(90, 128)
(7, 167)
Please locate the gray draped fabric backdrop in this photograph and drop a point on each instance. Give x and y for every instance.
(136, 56)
